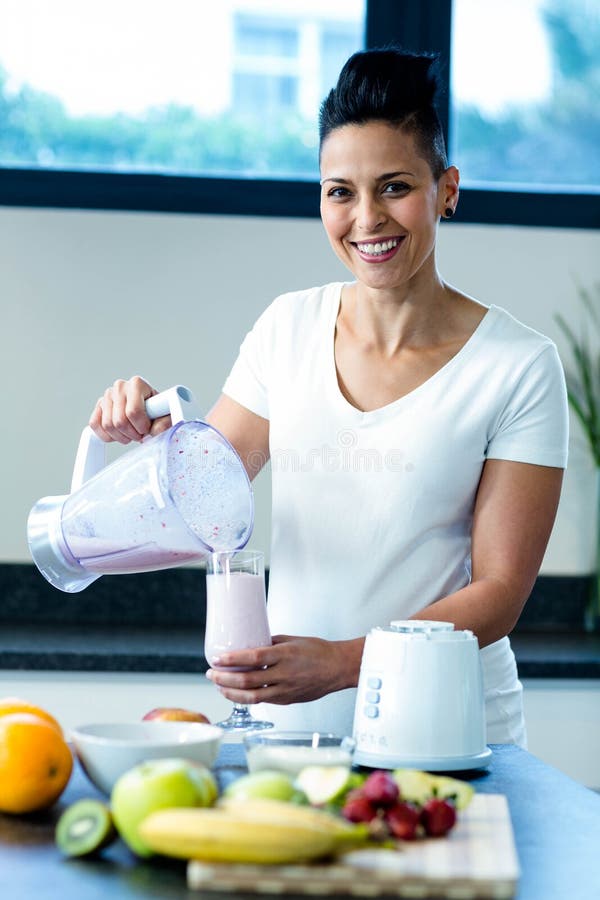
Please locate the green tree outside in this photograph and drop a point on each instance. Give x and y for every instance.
(553, 143)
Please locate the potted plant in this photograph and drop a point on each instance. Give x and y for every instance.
(583, 389)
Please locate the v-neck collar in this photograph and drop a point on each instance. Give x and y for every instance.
(390, 408)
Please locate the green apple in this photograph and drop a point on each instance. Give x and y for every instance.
(264, 785)
(158, 784)
(326, 784)
(419, 787)
(460, 792)
(415, 786)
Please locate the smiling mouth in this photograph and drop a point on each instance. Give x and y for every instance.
(378, 249)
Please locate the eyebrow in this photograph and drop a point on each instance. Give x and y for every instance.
(384, 177)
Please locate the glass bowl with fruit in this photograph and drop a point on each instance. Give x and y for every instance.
(292, 751)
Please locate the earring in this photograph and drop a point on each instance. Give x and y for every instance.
(448, 212)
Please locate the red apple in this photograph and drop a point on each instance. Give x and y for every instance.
(174, 714)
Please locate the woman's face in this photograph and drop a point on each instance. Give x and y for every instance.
(380, 203)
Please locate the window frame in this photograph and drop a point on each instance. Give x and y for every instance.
(419, 26)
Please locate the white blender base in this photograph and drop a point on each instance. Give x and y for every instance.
(429, 764)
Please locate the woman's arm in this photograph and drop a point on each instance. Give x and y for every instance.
(514, 512)
(245, 431)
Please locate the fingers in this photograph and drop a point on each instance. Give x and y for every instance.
(95, 422)
(244, 669)
(257, 686)
(134, 416)
(157, 426)
(251, 658)
(120, 414)
(291, 670)
(266, 694)
(244, 681)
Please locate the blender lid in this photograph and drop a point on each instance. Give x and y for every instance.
(420, 625)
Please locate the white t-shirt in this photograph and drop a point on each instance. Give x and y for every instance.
(372, 511)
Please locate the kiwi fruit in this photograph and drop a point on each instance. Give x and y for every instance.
(84, 828)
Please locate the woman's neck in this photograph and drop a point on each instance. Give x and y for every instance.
(412, 316)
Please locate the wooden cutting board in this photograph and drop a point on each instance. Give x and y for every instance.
(477, 859)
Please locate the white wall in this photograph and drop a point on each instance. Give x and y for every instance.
(90, 296)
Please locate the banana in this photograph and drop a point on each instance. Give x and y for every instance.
(346, 835)
(252, 832)
(267, 810)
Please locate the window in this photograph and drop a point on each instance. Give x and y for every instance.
(338, 42)
(262, 37)
(169, 109)
(267, 71)
(524, 88)
(266, 94)
(428, 25)
(140, 87)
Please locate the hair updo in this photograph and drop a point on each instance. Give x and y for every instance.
(392, 86)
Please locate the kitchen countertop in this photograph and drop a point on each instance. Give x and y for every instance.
(180, 649)
(556, 824)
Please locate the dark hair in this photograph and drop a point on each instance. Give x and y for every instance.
(394, 86)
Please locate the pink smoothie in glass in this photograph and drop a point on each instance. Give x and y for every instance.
(236, 613)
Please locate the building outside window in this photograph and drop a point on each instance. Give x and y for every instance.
(145, 87)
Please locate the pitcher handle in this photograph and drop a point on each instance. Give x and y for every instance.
(178, 401)
(91, 452)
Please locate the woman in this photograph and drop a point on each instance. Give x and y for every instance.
(417, 437)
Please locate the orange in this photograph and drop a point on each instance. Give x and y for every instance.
(35, 763)
(15, 704)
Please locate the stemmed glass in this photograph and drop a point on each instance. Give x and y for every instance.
(236, 618)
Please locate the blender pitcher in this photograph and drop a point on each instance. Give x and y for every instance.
(174, 499)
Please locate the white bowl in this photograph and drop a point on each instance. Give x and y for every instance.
(107, 750)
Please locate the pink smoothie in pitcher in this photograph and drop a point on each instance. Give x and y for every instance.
(236, 613)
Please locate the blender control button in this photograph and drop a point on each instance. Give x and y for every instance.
(374, 683)
(372, 697)
(371, 712)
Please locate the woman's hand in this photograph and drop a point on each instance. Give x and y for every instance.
(291, 670)
(120, 414)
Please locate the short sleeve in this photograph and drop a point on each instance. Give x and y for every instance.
(248, 381)
(533, 426)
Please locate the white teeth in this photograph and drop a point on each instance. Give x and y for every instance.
(378, 248)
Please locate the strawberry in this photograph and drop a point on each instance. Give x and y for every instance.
(381, 789)
(438, 817)
(402, 820)
(358, 808)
